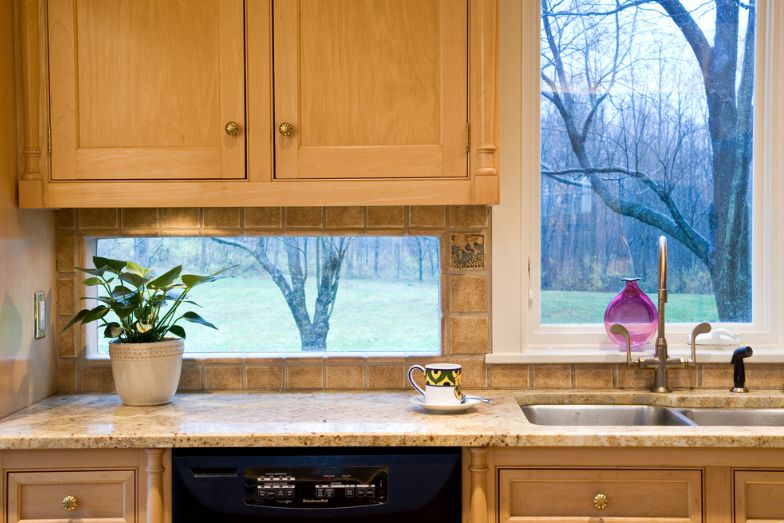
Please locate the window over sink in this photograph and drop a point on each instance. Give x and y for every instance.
(628, 120)
(301, 294)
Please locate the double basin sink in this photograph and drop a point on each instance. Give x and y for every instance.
(644, 415)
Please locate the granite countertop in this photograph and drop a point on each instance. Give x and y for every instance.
(361, 419)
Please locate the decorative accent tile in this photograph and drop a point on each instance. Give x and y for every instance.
(467, 251)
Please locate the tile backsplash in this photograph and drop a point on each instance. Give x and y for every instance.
(465, 233)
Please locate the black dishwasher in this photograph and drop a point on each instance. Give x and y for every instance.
(341, 485)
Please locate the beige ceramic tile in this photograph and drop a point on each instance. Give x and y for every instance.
(386, 376)
(271, 217)
(552, 376)
(65, 218)
(634, 378)
(310, 217)
(305, 377)
(427, 216)
(716, 376)
(222, 217)
(139, 218)
(265, 378)
(65, 249)
(94, 378)
(97, 218)
(385, 216)
(593, 376)
(468, 216)
(469, 334)
(768, 376)
(508, 376)
(474, 375)
(346, 377)
(468, 294)
(65, 297)
(185, 217)
(685, 378)
(345, 217)
(66, 376)
(66, 345)
(219, 377)
(190, 378)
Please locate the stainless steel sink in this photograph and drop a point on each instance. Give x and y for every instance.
(604, 415)
(736, 417)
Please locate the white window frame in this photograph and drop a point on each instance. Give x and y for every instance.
(518, 336)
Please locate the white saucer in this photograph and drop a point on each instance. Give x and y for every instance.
(419, 401)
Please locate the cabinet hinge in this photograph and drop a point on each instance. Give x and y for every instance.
(468, 137)
(49, 139)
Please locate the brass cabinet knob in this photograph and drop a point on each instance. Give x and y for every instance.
(286, 129)
(232, 128)
(70, 503)
(600, 501)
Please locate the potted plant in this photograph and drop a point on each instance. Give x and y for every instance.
(139, 312)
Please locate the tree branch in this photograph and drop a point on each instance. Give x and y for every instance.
(692, 32)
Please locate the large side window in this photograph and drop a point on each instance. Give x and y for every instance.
(646, 125)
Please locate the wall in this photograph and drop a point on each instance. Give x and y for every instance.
(465, 302)
(27, 366)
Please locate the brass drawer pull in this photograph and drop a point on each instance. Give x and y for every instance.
(232, 128)
(70, 503)
(600, 501)
(286, 129)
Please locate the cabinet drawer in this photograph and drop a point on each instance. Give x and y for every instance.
(759, 496)
(613, 495)
(103, 496)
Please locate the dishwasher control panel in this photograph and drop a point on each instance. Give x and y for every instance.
(316, 487)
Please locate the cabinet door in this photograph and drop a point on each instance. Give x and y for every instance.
(371, 88)
(582, 495)
(759, 496)
(105, 496)
(143, 89)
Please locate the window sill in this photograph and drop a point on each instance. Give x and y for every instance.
(762, 354)
(230, 357)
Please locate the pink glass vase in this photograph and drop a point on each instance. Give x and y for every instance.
(633, 309)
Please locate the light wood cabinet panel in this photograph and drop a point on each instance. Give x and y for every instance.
(373, 88)
(583, 495)
(143, 89)
(759, 496)
(102, 496)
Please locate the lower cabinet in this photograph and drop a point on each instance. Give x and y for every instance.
(577, 495)
(98, 496)
(759, 496)
(85, 486)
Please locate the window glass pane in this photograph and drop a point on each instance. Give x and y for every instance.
(646, 129)
(292, 294)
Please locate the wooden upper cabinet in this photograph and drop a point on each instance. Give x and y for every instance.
(370, 88)
(143, 89)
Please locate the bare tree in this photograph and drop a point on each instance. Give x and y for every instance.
(331, 252)
(725, 247)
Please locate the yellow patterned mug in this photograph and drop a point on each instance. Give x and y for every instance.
(442, 383)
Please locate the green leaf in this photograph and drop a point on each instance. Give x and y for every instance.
(134, 279)
(96, 314)
(177, 331)
(112, 330)
(137, 269)
(123, 310)
(114, 265)
(122, 293)
(191, 280)
(95, 272)
(195, 318)
(77, 318)
(166, 279)
(92, 282)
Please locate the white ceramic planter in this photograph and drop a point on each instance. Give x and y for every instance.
(146, 373)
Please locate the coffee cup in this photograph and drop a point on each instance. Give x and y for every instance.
(442, 383)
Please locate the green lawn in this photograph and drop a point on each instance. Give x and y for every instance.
(588, 307)
(369, 316)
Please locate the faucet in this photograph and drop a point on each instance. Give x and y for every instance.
(661, 362)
